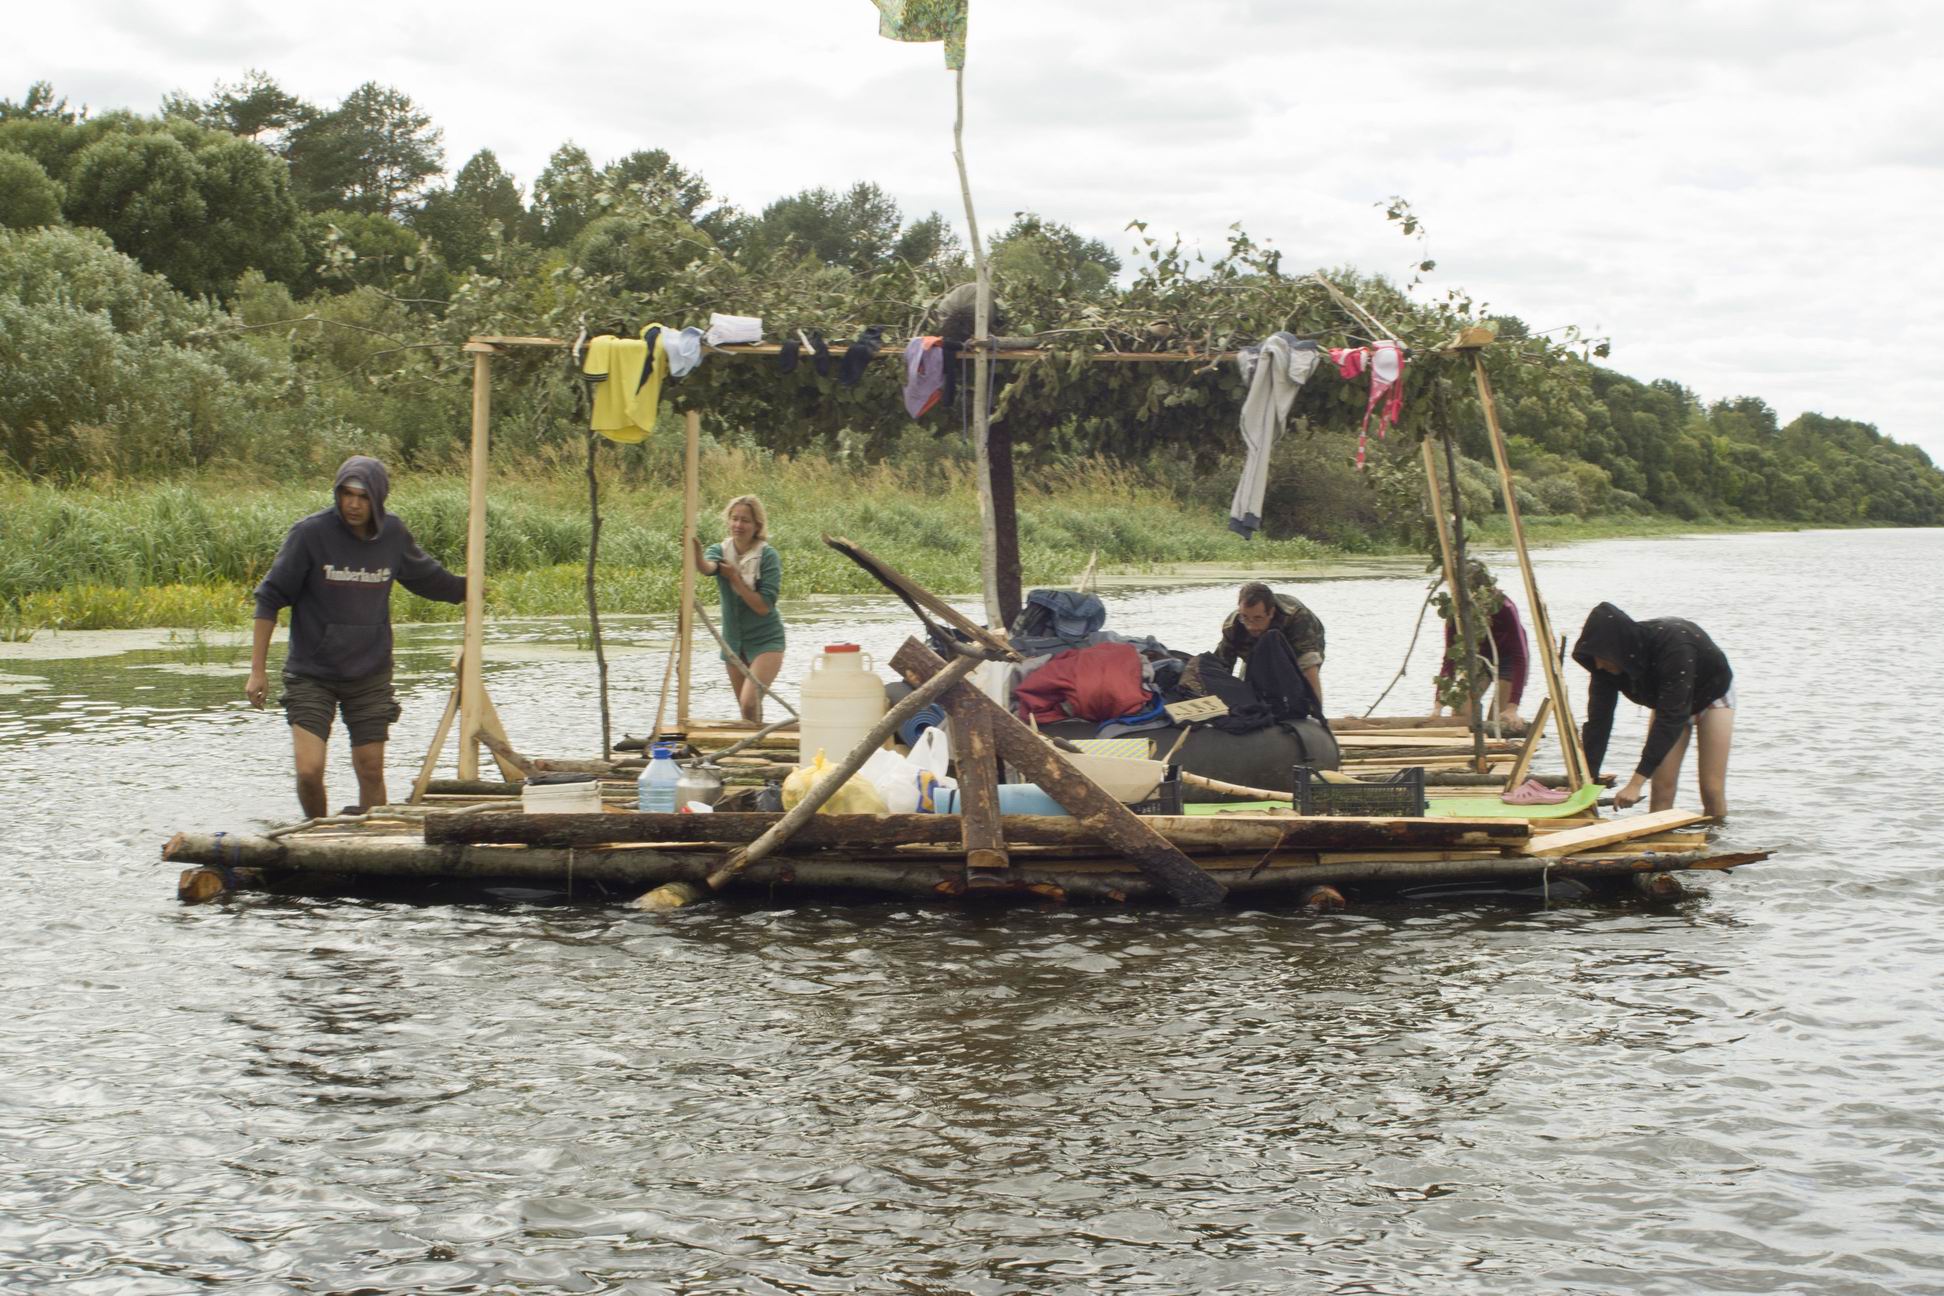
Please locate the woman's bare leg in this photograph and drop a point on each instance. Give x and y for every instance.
(1668, 777)
(736, 681)
(765, 668)
(1716, 726)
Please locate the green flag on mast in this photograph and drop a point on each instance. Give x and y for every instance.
(926, 20)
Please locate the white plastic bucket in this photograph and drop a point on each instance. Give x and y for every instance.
(842, 699)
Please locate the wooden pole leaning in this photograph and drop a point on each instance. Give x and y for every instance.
(1530, 747)
(1438, 514)
(1569, 737)
(431, 761)
(685, 619)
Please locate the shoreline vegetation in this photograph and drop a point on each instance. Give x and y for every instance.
(187, 554)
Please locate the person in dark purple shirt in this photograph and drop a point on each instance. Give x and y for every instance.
(335, 574)
(1502, 652)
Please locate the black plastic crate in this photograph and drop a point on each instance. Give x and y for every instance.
(1167, 796)
(1399, 796)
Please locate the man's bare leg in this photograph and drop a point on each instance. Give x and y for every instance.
(307, 754)
(369, 762)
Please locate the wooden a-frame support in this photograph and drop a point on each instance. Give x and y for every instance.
(1471, 343)
(469, 700)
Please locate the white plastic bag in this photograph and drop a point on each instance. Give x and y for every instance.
(932, 751)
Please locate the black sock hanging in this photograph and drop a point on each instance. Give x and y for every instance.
(821, 350)
(858, 358)
(648, 335)
(786, 359)
(949, 393)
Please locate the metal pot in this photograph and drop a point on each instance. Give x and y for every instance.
(699, 783)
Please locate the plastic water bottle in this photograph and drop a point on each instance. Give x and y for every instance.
(655, 789)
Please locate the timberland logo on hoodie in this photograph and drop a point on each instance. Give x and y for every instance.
(356, 575)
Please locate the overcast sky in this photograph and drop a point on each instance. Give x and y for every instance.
(1744, 196)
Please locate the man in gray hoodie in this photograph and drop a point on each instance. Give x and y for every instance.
(335, 573)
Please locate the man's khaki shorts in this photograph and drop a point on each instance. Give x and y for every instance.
(369, 706)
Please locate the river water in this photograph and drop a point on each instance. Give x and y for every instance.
(1743, 1092)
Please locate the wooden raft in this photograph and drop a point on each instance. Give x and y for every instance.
(1257, 857)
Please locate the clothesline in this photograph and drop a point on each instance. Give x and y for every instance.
(893, 350)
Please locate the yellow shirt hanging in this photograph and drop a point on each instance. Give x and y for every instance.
(627, 382)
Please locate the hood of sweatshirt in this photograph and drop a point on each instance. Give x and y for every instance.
(377, 483)
(1612, 634)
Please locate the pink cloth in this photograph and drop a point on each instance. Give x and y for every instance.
(1385, 361)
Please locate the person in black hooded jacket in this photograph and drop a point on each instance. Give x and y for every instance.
(335, 574)
(1672, 666)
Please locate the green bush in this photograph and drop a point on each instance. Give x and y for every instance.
(1560, 495)
(29, 197)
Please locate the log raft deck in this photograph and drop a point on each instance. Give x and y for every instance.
(487, 841)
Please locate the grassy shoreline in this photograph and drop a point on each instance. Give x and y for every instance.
(187, 554)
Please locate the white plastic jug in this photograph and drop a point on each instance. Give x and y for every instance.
(842, 699)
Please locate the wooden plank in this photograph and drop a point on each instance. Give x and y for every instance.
(471, 675)
(1569, 738)
(976, 762)
(431, 761)
(685, 619)
(1574, 840)
(1414, 742)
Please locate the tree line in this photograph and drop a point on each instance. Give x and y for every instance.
(250, 281)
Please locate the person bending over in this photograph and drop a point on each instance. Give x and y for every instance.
(749, 576)
(1672, 666)
(335, 573)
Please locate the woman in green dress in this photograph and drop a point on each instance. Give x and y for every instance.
(749, 576)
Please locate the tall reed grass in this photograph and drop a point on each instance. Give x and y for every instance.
(188, 553)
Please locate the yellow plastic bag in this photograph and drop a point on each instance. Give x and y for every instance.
(856, 796)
